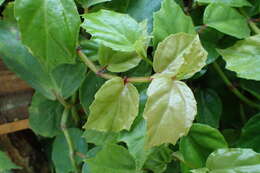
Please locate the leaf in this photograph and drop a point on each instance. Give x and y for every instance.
(55, 24)
(5, 163)
(8, 13)
(100, 138)
(135, 140)
(158, 159)
(60, 150)
(143, 10)
(170, 60)
(95, 2)
(88, 89)
(117, 61)
(227, 20)
(19, 60)
(231, 3)
(244, 58)
(235, 160)
(250, 134)
(116, 110)
(112, 159)
(45, 116)
(170, 105)
(209, 107)
(90, 48)
(252, 87)
(200, 142)
(68, 78)
(168, 16)
(115, 30)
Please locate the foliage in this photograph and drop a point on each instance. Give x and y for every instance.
(139, 86)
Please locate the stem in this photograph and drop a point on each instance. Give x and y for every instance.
(242, 113)
(93, 68)
(250, 22)
(233, 89)
(68, 138)
(73, 108)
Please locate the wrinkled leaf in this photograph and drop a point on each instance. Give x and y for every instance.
(231, 3)
(209, 107)
(45, 116)
(55, 24)
(227, 20)
(199, 143)
(115, 30)
(117, 61)
(170, 105)
(250, 134)
(183, 60)
(114, 110)
(170, 19)
(112, 159)
(234, 160)
(60, 150)
(5, 163)
(244, 58)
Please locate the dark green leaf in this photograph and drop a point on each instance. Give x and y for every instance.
(252, 87)
(231, 3)
(209, 107)
(90, 48)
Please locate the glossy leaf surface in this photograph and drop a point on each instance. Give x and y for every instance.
(244, 58)
(114, 110)
(170, 104)
(49, 21)
(227, 20)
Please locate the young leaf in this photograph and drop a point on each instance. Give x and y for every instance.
(115, 107)
(200, 142)
(230, 3)
(45, 116)
(19, 60)
(209, 107)
(88, 89)
(250, 134)
(183, 60)
(115, 30)
(117, 61)
(55, 24)
(170, 106)
(60, 150)
(143, 10)
(227, 20)
(235, 160)
(5, 163)
(244, 58)
(112, 158)
(170, 19)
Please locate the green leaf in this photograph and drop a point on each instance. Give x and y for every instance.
(5, 163)
(1, 2)
(8, 13)
(95, 2)
(234, 160)
(209, 107)
(143, 10)
(200, 142)
(112, 159)
(45, 116)
(231, 3)
(60, 150)
(135, 140)
(55, 24)
(183, 60)
(90, 48)
(250, 134)
(252, 87)
(168, 16)
(244, 58)
(116, 110)
(170, 106)
(88, 90)
(117, 61)
(68, 78)
(100, 138)
(227, 20)
(19, 60)
(115, 30)
(158, 159)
